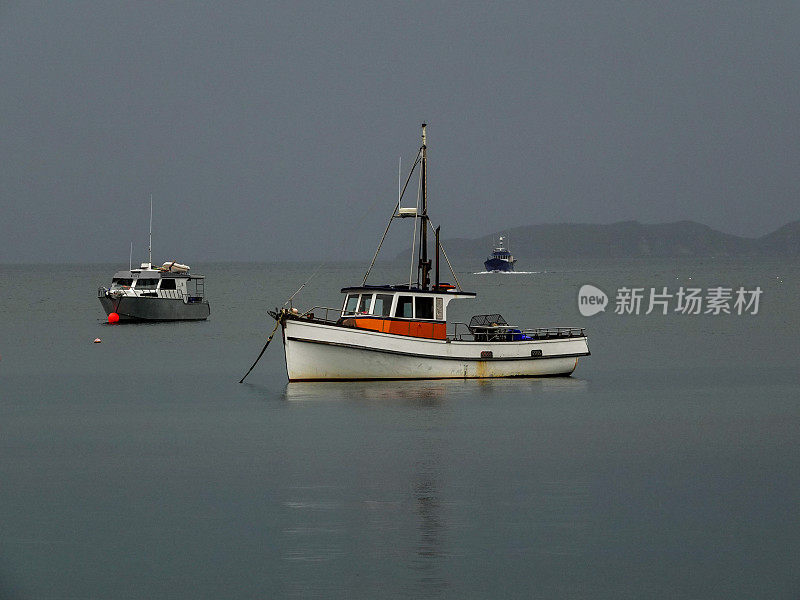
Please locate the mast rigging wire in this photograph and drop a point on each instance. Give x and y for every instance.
(325, 262)
(389, 224)
(414, 236)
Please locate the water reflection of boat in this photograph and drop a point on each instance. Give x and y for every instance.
(369, 390)
(401, 331)
(427, 391)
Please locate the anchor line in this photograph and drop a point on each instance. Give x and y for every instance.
(116, 308)
(260, 354)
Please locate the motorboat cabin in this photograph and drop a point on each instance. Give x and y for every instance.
(158, 283)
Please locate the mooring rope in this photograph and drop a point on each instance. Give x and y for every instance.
(260, 354)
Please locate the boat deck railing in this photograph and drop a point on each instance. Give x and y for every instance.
(463, 332)
(511, 333)
(325, 314)
(170, 294)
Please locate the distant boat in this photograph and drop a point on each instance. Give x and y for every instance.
(400, 331)
(153, 293)
(501, 259)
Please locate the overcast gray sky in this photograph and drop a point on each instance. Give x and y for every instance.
(272, 131)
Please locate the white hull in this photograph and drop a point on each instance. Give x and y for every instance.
(316, 351)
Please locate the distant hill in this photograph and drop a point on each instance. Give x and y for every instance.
(628, 239)
(781, 242)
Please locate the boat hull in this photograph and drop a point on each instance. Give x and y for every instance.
(496, 264)
(316, 351)
(133, 308)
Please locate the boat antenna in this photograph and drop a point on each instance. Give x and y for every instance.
(414, 238)
(150, 241)
(399, 198)
(399, 179)
(130, 259)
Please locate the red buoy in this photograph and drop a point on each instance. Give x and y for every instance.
(113, 317)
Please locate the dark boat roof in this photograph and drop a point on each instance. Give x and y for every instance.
(405, 288)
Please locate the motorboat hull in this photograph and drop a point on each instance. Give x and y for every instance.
(320, 351)
(497, 264)
(138, 308)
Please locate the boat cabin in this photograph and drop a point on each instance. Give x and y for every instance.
(159, 283)
(400, 310)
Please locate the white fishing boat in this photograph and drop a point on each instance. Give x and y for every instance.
(402, 331)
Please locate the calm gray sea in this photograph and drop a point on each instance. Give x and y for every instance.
(666, 467)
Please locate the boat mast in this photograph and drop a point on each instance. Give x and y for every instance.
(436, 280)
(424, 263)
(150, 241)
(424, 268)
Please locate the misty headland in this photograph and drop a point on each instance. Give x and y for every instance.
(626, 239)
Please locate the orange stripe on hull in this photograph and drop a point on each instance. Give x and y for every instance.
(420, 329)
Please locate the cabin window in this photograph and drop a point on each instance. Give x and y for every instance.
(440, 309)
(118, 282)
(383, 305)
(405, 306)
(195, 288)
(350, 304)
(168, 284)
(146, 284)
(424, 307)
(363, 306)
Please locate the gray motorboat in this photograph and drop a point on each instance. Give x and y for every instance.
(151, 293)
